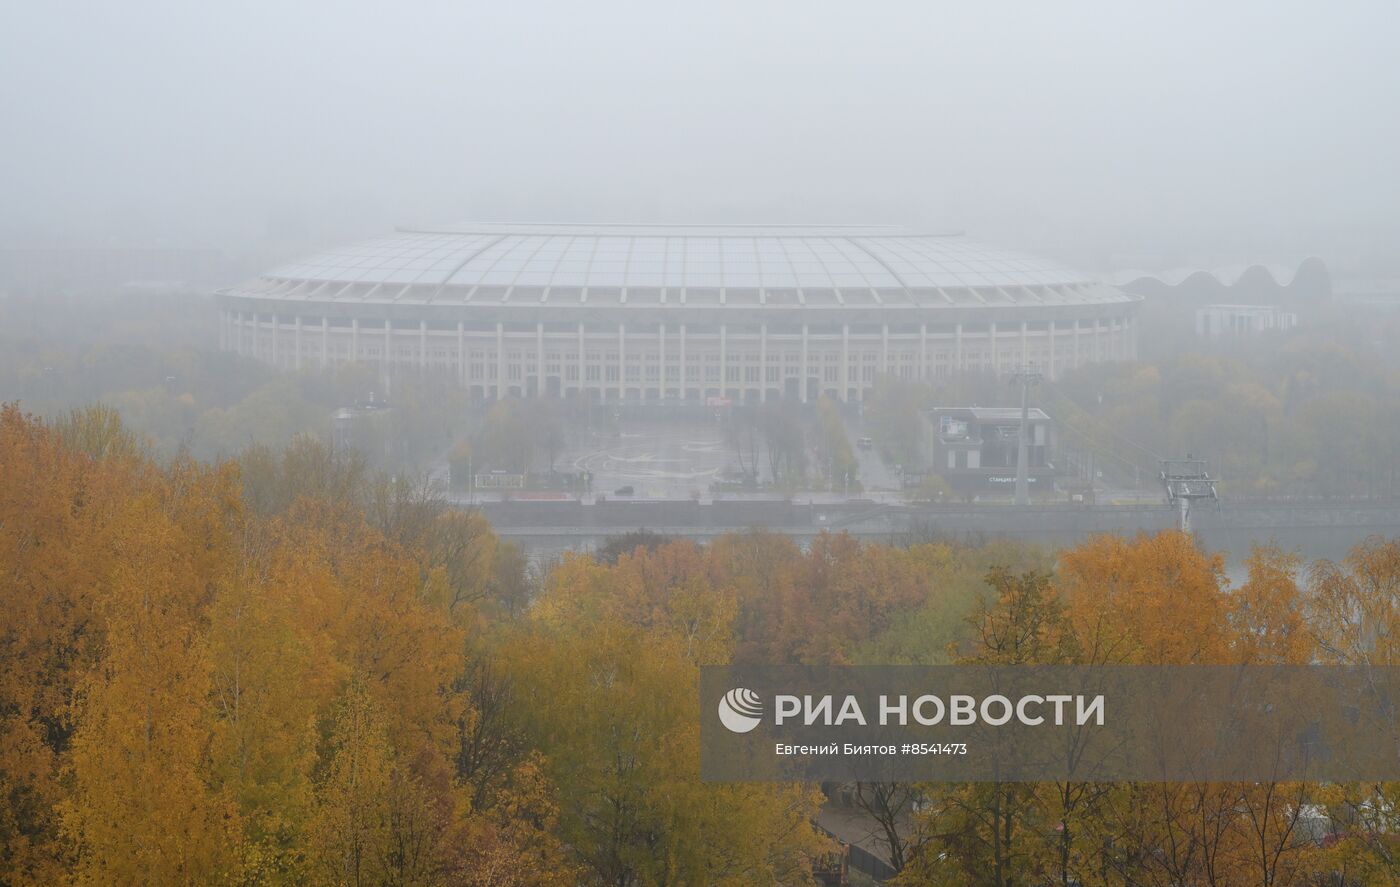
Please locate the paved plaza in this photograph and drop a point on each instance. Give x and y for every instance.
(659, 460)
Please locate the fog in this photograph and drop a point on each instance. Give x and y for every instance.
(1105, 133)
(403, 563)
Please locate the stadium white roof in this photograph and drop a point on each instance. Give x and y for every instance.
(677, 257)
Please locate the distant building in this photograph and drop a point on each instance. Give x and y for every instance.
(367, 427)
(656, 314)
(1309, 283)
(1217, 321)
(974, 448)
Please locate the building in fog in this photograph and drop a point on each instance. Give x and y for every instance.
(974, 448)
(663, 313)
(1226, 321)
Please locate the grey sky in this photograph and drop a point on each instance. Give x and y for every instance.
(1099, 132)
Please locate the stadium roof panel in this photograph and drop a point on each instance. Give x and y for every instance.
(718, 257)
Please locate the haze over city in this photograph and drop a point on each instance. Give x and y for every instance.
(1103, 133)
(517, 444)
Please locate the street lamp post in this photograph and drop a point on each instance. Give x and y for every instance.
(1026, 376)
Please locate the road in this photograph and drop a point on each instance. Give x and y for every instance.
(875, 475)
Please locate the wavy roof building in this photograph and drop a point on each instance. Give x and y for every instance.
(658, 313)
(1256, 284)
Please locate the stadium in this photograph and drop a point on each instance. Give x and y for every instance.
(668, 313)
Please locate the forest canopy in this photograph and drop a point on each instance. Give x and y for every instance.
(286, 668)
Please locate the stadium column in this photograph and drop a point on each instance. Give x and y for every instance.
(539, 357)
(422, 345)
(763, 362)
(723, 361)
(1075, 362)
(684, 370)
(388, 348)
(1096, 338)
(992, 344)
(923, 352)
(661, 373)
(957, 348)
(325, 340)
(1025, 346)
(621, 361)
(354, 340)
(253, 346)
(1050, 371)
(582, 382)
(884, 348)
(461, 353)
(500, 361)
(238, 332)
(845, 390)
(277, 354)
(296, 344)
(802, 391)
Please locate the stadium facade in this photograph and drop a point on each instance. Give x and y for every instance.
(662, 313)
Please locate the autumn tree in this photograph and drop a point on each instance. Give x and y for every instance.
(1353, 608)
(603, 674)
(988, 832)
(613, 709)
(143, 806)
(376, 821)
(54, 536)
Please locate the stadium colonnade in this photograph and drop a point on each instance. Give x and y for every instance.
(667, 314)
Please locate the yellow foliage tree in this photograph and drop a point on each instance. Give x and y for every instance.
(143, 809)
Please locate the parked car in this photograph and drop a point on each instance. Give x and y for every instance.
(624, 491)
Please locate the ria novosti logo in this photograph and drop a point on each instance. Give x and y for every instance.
(740, 710)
